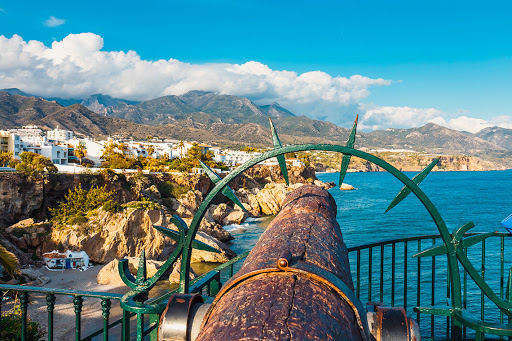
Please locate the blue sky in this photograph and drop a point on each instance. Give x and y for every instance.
(452, 57)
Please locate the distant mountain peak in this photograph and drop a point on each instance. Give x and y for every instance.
(276, 110)
(16, 91)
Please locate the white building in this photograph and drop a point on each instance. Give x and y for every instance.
(59, 134)
(10, 142)
(233, 157)
(27, 131)
(94, 149)
(57, 153)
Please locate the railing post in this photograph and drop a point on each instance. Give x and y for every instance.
(125, 333)
(105, 308)
(140, 326)
(23, 303)
(1, 300)
(78, 302)
(50, 304)
(154, 319)
(214, 286)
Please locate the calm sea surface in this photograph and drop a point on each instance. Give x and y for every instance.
(482, 197)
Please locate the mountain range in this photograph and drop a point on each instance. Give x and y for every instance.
(234, 121)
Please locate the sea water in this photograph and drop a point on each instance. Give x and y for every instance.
(484, 198)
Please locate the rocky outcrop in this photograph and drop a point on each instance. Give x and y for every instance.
(114, 236)
(28, 235)
(189, 203)
(20, 197)
(109, 274)
(346, 187)
(264, 174)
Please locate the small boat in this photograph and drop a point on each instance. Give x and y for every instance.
(507, 223)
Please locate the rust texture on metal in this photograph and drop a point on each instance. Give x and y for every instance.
(266, 303)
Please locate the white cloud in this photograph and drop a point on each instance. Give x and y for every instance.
(54, 22)
(76, 66)
(474, 125)
(376, 117)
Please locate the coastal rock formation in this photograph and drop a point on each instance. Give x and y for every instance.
(189, 203)
(20, 197)
(114, 236)
(346, 187)
(249, 200)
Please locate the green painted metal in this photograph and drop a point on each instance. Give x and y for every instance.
(154, 320)
(280, 157)
(78, 303)
(140, 326)
(125, 327)
(105, 312)
(405, 191)
(23, 304)
(50, 305)
(196, 244)
(227, 191)
(454, 246)
(345, 160)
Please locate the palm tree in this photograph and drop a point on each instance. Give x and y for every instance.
(9, 261)
(80, 151)
(181, 145)
(149, 139)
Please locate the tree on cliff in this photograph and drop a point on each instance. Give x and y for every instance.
(35, 165)
(5, 158)
(181, 145)
(9, 261)
(80, 151)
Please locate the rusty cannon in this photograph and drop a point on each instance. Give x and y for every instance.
(294, 285)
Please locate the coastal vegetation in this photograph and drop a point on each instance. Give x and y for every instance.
(78, 203)
(11, 326)
(115, 156)
(35, 165)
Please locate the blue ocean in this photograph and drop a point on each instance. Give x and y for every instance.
(482, 197)
(485, 198)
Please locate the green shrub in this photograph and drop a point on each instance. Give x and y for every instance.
(78, 203)
(11, 327)
(145, 204)
(169, 189)
(179, 191)
(112, 206)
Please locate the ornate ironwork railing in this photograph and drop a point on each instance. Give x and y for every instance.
(207, 284)
(452, 248)
(387, 272)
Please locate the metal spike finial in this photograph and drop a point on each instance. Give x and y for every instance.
(280, 158)
(345, 160)
(405, 191)
(141, 271)
(227, 191)
(196, 244)
(457, 240)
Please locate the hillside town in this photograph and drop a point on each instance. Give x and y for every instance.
(60, 146)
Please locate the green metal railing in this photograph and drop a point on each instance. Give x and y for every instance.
(384, 271)
(146, 324)
(387, 272)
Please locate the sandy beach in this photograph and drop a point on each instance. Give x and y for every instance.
(64, 316)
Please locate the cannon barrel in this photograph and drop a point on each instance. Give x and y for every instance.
(289, 286)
